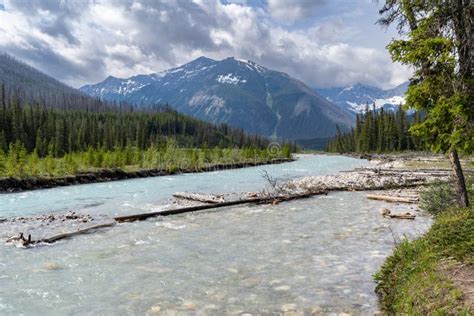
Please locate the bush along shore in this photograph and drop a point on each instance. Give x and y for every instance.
(432, 275)
(22, 171)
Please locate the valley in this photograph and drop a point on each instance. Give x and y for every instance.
(233, 157)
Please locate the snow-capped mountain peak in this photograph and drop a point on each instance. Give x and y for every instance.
(235, 91)
(355, 98)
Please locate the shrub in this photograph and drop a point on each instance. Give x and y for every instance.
(437, 197)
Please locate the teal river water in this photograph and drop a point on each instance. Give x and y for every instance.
(317, 254)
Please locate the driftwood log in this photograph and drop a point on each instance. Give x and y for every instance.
(385, 212)
(254, 200)
(199, 197)
(71, 234)
(394, 199)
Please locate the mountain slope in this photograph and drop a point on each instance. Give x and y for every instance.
(234, 91)
(354, 99)
(31, 85)
(64, 119)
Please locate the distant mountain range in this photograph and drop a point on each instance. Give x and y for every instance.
(238, 92)
(354, 99)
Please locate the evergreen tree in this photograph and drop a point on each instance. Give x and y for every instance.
(378, 131)
(438, 45)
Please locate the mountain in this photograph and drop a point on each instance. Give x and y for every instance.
(63, 119)
(238, 92)
(354, 99)
(31, 85)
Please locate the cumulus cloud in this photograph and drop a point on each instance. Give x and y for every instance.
(81, 42)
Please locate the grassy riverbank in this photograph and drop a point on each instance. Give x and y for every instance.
(17, 163)
(434, 274)
(21, 171)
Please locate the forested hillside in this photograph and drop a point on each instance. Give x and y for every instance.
(378, 131)
(50, 129)
(34, 87)
(59, 131)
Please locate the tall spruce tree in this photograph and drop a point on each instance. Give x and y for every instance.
(439, 46)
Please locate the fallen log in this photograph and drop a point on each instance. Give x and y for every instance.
(254, 200)
(144, 216)
(138, 217)
(385, 212)
(204, 198)
(71, 234)
(395, 199)
(402, 216)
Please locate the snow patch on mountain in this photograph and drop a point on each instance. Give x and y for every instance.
(251, 65)
(213, 103)
(230, 79)
(390, 103)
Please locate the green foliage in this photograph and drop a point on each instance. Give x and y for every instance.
(60, 131)
(448, 125)
(39, 141)
(170, 158)
(411, 280)
(437, 197)
(378, 131)
(437, 86)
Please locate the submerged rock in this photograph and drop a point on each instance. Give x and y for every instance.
(52, 266)
(288, 307)
(189, 305)
(155, 309)
(282, 288)
(316, 310)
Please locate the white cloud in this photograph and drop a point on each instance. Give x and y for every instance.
(123, 38)
(291, 10)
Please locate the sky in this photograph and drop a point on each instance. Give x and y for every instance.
(325, 43)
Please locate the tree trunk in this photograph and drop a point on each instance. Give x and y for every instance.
(460, 184)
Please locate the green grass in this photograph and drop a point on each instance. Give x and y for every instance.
(19, 164)
(412, 282)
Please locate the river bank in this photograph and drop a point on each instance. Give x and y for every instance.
(13, 184)
(434, 274)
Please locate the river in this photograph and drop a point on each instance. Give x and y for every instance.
(311, 255)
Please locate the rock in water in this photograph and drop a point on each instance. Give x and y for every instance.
(316, 310)
(155, 309)
(189, 305)
(288, 307)
(52, 266)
